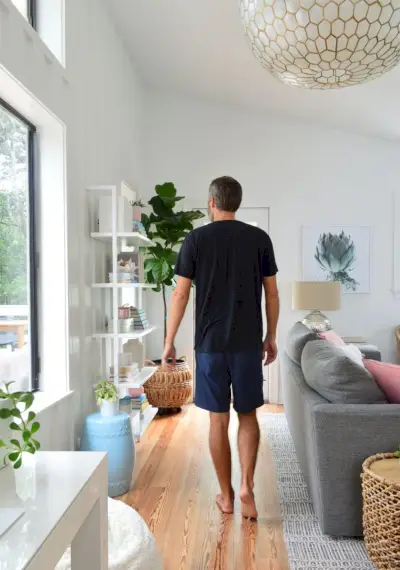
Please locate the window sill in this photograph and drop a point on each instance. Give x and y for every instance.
(44, 401)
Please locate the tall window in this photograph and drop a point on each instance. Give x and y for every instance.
(19, 359)
(27, 9)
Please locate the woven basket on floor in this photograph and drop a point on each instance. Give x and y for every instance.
(381, 516)
(170, 386)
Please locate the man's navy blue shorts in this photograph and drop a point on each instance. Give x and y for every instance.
(217, 372)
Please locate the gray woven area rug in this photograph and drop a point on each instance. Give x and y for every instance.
(308, 548)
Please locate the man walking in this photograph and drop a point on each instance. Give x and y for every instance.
(230, 262)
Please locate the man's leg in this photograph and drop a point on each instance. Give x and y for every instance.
(247, 383)
(248, 442)
(221, 456)
(213, 394)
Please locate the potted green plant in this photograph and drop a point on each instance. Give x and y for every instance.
(23, 424)
(167, 228)
(107, 397)
(19, 450)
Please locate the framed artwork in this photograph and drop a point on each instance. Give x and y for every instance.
(338, 253)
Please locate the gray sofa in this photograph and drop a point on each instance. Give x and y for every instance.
(332, 441)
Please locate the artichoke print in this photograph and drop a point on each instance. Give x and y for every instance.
(336, 255)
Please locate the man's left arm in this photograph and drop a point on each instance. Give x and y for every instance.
(180, 299)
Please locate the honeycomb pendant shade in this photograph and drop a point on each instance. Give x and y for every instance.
(324, 44)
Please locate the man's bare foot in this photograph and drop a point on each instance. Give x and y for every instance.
(249, 510)
(225, 503)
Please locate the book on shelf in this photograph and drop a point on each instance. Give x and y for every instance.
(140, 398)
(142, 407)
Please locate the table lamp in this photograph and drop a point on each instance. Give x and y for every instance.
(316, 296)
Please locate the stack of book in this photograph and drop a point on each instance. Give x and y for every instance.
(140, 403)
(140, 321)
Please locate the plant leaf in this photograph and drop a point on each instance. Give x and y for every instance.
(35, 427)
(2, 444)
(27, 399)
(159, 207)
(31, 416)
(26, 435)
(161, 270)
(14, 456)
(18, 463)
(16, 443)
(5, 413)
(166, 190)
(36, 443)
(15, 426)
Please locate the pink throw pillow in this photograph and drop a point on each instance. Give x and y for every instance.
(387, 376)
(332, 338)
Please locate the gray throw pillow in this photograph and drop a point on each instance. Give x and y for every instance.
(299, 335)
(336, 377)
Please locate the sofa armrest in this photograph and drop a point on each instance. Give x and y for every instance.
(370, 351)
(345, 435)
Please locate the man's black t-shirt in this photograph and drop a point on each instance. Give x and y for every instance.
(228, 261)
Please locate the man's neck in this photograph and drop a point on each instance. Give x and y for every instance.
(221, 216)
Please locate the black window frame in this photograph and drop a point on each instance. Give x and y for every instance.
(33, 254)
(32, 13)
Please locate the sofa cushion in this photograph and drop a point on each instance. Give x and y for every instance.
(337, 377)
(299, 335)
(353, 352)
(332, 337)
(387, 376)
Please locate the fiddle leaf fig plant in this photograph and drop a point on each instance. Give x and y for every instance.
(25, 426)
(167, 228)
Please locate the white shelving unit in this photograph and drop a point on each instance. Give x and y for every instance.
(111, 295)
(136, 335)
(123, 286)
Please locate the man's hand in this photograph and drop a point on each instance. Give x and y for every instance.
(169, 353)
(270, 350)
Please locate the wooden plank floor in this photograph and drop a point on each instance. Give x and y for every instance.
(174, 491)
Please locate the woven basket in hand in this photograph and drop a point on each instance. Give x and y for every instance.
(381, 516)
(170, 386)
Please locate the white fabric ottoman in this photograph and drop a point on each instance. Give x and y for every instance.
(131, 546)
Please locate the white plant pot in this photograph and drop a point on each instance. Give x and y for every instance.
(108, 408)
(25, 477)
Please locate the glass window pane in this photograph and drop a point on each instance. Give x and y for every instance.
(15, 341)
(22, 6)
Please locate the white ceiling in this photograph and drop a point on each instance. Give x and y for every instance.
(197, 47)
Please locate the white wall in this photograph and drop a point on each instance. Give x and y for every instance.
(98, 99)
(305, 174)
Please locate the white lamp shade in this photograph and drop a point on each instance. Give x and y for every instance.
(316, 295)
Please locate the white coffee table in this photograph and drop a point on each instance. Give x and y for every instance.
(70, 508)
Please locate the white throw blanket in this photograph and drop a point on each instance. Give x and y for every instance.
(131, 546)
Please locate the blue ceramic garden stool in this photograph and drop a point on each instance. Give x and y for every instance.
(112, 434)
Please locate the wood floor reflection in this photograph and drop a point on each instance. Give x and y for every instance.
(174, 491)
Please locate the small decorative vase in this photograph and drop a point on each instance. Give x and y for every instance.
(136, 213)
(108, 409)
(25, 477)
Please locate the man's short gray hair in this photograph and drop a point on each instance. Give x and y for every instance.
(227, 193)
